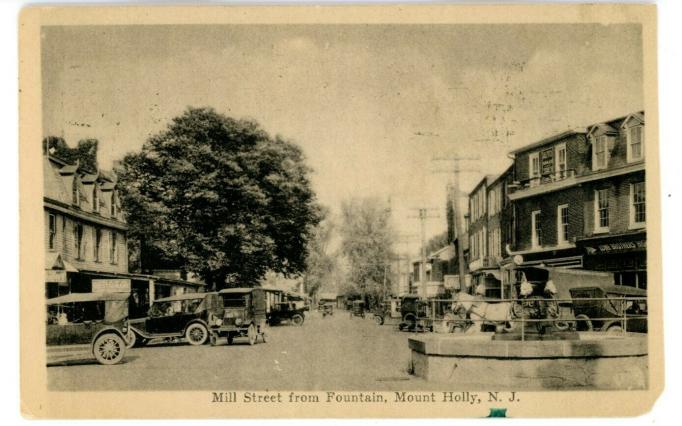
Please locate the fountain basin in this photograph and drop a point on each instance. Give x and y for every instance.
(593, 360)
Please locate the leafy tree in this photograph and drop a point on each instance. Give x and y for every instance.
(366, 242)
(321, 265)
(85, 151)
(437, 242)
(220, 197)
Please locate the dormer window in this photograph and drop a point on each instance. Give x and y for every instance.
(635, 140)
(600, 153)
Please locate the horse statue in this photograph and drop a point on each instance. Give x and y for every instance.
(470, 313)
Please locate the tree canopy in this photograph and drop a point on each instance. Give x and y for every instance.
(85, 152)
(366, 242)
(220, 197)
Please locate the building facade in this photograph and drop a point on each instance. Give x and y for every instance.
(578, 200)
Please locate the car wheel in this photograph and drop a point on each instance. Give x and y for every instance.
(251, 334)
(109, 349)
(379, 319)
(196, 334)
(297, 319)
(583, 323)
(614, 329)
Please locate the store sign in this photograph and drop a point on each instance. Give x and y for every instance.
(451, 282)
(617, 247)
(111, 286)
(55, 276)
(547, 162)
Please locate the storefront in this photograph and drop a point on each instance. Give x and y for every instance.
(623, 254)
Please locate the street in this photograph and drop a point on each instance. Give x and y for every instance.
(332, 353)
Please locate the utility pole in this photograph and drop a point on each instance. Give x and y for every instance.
(423, 216)
(458, 218)
(404, 239)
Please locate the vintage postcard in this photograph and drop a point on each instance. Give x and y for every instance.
(343, 211)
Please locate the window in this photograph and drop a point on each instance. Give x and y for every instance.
(113, 248)
(95, 199)
(75, 191)
(638, 202)
(98, 243)
(600, 157)
(536, 230)
(113, 203)
(534, 167)
(78, 240)
(601, 203)
(562, 224)
(561, 161)
(635, 138)
(52, 230)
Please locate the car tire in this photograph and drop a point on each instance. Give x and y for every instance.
(251, 334)
(379, 319)
(297, 319)
(614, 330)
(109, 348)
(583, 323)
(196, 334)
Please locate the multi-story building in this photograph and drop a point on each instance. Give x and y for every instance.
(86, 247)
(579, 200)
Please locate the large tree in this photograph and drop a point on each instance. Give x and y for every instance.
(321, 265)
(366, 242)
(220, 197)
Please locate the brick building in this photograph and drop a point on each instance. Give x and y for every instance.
(579, 200)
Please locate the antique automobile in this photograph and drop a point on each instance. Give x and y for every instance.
(388, 312)
(286, 310)
(358, 309)
(87, 325)
(174, 317)
(610, 308)
(237, 312)
(413, 312)
(327, 309)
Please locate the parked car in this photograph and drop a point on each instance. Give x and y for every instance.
(238, 312)
(327, 309)
(413, 310)
(286, 311)
(358, 309)
(87, 325)
(388, 312)
(184, 315)
(612, 308)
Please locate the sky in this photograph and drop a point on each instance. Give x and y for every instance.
(371, 105)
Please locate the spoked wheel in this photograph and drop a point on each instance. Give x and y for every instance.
(196, 334)
(109, 349)
(251, 334)
(379, 319)
(583, 323)
(297, 319)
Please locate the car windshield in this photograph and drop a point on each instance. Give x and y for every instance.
(235, 300)
(77, 312)
(177, 307)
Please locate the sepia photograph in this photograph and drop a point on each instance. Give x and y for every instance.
(322, 210)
